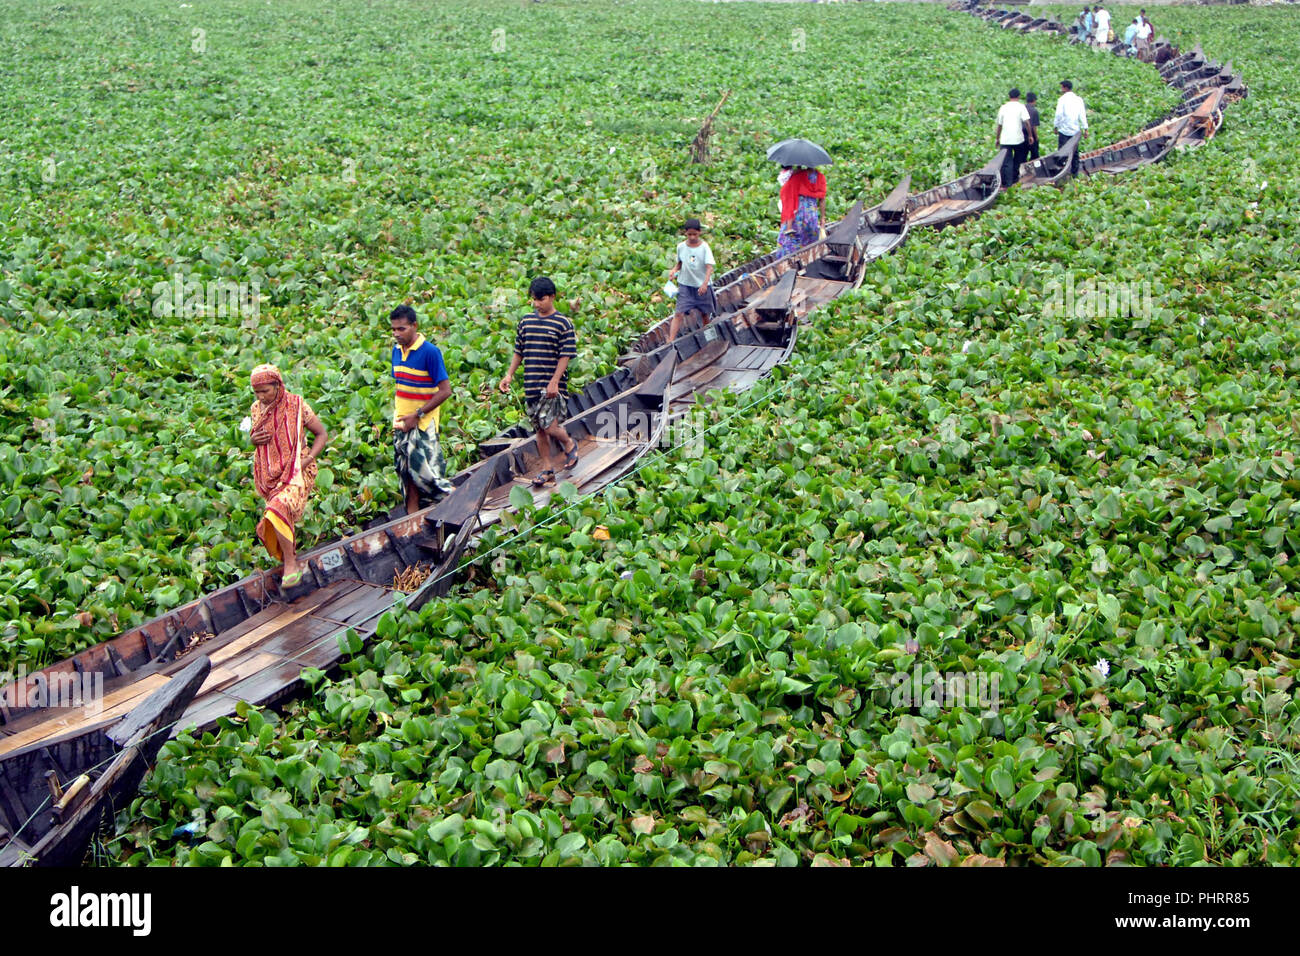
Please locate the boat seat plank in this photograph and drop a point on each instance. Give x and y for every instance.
(257, 635)
(295, 637)
(599, 459)
(610, 473)
(113, 705)
(272, 683)
(256, 627)
(699, 380)
(739, 356)
(358, 603)
(220, 677)
(703, 358)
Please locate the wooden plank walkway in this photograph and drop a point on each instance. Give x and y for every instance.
(258, 661)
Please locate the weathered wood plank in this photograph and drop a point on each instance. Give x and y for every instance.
(113, 705)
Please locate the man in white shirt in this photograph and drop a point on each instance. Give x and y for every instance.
(1012, 135)
(1071, 118)
(1145, 31)
(1103, 26)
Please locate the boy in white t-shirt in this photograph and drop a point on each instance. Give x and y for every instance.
(695, 265)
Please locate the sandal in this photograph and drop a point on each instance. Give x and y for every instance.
(571, 456)
(291, 580)
(546, 476)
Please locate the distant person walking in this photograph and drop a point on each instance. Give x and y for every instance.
(284, 473)
(1145, 33)
(1103, 26)
(1071, 119)
(1080, 26)
(1012, 135)
(695, 265)
(1130, 36)
(544, 345)
(1031, 106)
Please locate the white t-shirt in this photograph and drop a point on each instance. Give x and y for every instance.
(694, 259)
(1103, 25)
(1011, 117)
(1071, 117)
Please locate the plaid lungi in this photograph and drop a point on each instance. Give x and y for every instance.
(418, 457)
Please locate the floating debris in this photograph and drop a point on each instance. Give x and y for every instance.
(194, 640)
(411, 578)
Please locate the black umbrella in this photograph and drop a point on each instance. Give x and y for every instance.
(799, 152)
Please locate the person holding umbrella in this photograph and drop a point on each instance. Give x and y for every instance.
(803, 195)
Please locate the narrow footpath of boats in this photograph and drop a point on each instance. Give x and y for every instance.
(251, 642)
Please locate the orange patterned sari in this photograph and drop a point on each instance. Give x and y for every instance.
(278, 472)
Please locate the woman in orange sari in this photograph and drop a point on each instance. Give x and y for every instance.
(283, 472)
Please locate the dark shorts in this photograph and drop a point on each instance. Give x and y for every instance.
(545, 412)
(688, 297)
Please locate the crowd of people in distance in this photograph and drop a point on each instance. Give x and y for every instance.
(1017, 128)
(1094, 24)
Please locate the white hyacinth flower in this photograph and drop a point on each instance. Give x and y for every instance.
(246, 425)
(966, 346)
(1102, 667)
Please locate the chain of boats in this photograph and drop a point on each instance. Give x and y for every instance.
(67, 756)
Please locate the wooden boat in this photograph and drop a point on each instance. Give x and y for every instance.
(958, 200)
(884, 226)
(1224, 78)
(54, 793)
(1196, 74)
(1158, 53)
(611, 435)
(1189, 104)
(1149, 146)
(1204, 121)
(1052, 168)
(259, 638)
(1192, 59)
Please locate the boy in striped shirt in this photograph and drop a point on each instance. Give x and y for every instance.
(544, 344)
(422, 387)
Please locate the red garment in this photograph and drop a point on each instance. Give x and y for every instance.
(799, 185)
(276, 463)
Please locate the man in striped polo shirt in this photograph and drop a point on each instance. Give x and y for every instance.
(544, 344)
(422, 387)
